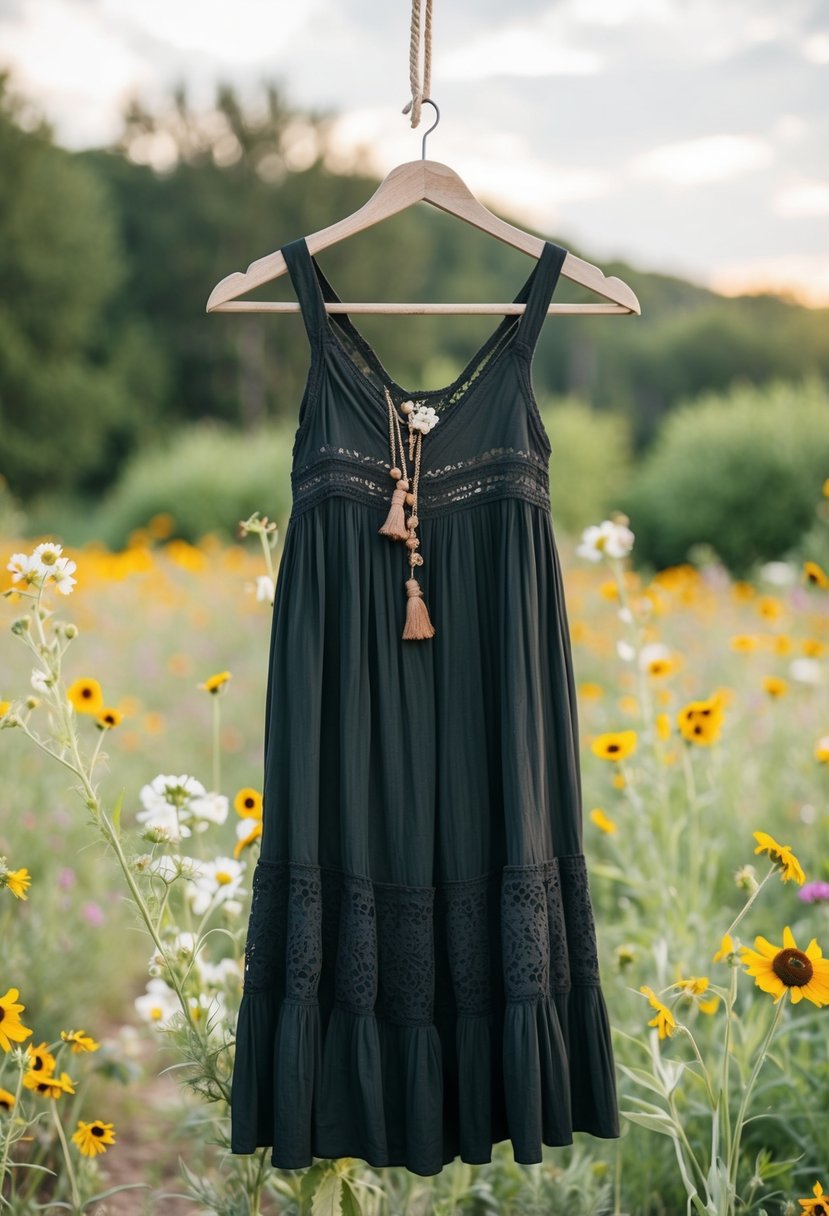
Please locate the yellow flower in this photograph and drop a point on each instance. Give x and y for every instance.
(822, 750)
(700, 722)
(49, 1085)
(629, 705)
(726, 948)
(781, 969)
(602, 821)
(744, 644)
(658, 668)
(814, 575)
(248, 804)
(6, 1100)
(18, 882)
(11, 1028)
(664, 1020)
(782, 855)
(775, 686)
(86, 696)
(695, 985)
(769, 607)
(619, 781)
(617, 745)
(92, 1138)
(813, 647)
(781, 643)
(108, 718)
(244, 841)
(215, 684)
(591, 691)
(5, 706)
(819, 1206)
(40, 1059)
(710, 1006)
(80, 1040)
(609, 590)
(663, 727)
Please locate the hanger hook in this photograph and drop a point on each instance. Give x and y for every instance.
(427, 101)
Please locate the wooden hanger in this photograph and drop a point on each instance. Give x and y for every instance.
(431, 182)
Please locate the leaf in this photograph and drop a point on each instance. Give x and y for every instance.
(349, 1202)
(654, 1123)
(326, 1198)
(116, 814)
(643, 1078)
(310, 1181)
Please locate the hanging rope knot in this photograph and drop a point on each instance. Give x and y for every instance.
(420, 85)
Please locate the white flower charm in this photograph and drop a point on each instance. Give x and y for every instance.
(423, 418)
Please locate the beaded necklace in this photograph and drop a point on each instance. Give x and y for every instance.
(421, 419)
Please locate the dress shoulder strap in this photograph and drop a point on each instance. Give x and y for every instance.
(307, 287)
(541, 285)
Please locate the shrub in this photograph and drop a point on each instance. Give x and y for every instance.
(207, 477)
(740, 472)
(590, 462)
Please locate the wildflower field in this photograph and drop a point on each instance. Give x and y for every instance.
(132, 690)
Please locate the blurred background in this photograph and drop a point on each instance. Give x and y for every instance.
(150, 149)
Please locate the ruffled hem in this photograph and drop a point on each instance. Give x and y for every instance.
(378, 1091)
(411, 1025)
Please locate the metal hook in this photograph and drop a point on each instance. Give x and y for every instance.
(428, 101)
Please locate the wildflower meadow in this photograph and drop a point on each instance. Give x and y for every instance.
(131, 706)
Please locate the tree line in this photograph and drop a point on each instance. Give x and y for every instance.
(106, 262)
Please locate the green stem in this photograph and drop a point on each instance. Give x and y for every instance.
(266, 547)
(726, 1064)
(734, 1158)
(216, 743)
(705, 1075)
(70, 1170)
(730, 930)
(8, 1137)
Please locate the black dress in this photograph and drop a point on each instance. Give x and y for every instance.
(421, 973)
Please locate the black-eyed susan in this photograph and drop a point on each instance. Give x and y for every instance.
(248, 803)
(18, 881)
(85, 696)
(661, 666)
(48, 1085)
(694, 985)
(781, 969)
(247, 832)
(819, 1204)
(782, 856)
(92, 1138)
(664, 1021)
(700, 722)
(775, 686)
(216, 683)
(12, 1029)
(6, 1100)
(615, 745)
(710, 1005)
(602, 821)
(813, 648)
(769, 607)
(109, 718)
(79, 1040)
(40, 1059)
(5, 706)
(815, 575)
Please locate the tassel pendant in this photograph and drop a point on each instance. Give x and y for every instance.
(395, 525)
(417, 624)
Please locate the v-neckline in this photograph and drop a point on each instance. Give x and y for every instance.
(332, 341)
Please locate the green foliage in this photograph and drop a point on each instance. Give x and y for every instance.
(590, 462)
(66, 401)
(207, 477)
(739, 472)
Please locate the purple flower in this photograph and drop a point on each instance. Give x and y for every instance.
(93, 913)
(814, 893)
(66, 877)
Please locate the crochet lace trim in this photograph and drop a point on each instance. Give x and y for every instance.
(518, 934)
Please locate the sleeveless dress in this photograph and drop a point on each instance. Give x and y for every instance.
(421, 975)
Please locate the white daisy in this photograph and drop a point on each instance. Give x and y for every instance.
(46, 556)
(207, 809)
(219, 881)
(608, 539)
(806, 671)
(158, 1004)
(24, 569)
(265, 590)
(61, 575)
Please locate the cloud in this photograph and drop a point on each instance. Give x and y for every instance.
(711, 158)
(802, 198)
(804, 277)
(526, 49)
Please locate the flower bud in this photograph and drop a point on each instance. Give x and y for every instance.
(746, 879)
(70, 630)
(21, 625)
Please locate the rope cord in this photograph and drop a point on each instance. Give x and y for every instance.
(420, 86)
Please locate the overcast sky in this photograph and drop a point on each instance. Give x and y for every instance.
(689, 136)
